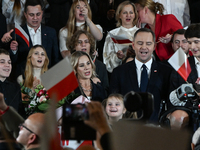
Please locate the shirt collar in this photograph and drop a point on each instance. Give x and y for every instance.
(196, 61)
(32, 30)
(79, 23)
(139, 64)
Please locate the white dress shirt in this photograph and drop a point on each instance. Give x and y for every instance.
(139, 69)
(178, 8)
(35, 36)
(197, 64)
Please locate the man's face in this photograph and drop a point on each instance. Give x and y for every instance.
(194, 46)
(143, 46)
(180, 41)
(5, 66)
(24, 134)
(83, 44)
(34, 16)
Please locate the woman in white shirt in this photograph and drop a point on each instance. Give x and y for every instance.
(37, 64)
(113, 53)
(13, 11)
(79, 18)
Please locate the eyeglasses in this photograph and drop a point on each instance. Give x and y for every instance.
(22, 125)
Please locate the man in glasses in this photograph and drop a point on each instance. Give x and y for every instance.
(27, 132)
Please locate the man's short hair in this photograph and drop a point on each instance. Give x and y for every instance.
(33, 3)
(179, 31)
(3, 51)
(193, 31)
(145, 30)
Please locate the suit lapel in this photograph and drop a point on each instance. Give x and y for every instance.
(44, 36)
(153, 76)
(133, 76)
(193, 75)
(26, 30)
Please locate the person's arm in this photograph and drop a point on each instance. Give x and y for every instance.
(93, 28)
(10, 117)
(186, 15)
(98, 121)
(97, 118)
(62, 42)
(110, 58)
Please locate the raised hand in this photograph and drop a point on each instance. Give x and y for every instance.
(6, 37)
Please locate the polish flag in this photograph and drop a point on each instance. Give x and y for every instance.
(120, 39)
(180, 63)
(60, 80)
(19, 31)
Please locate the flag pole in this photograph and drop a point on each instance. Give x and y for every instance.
(192, 87)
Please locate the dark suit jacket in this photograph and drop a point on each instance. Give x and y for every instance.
(3, 29)
(102, 74)
(176, 80)
(49, 41)
(98, 92)
(124, 80)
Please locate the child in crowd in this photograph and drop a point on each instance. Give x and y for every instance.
(114, 107)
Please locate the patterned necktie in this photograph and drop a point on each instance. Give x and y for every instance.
(144, 79)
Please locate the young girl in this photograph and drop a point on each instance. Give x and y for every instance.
(114, 107)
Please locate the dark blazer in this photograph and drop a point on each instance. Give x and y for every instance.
(98, 92)
(3, 29)
(102, 74)
(12, 94)
(124, 80)
(49, 41)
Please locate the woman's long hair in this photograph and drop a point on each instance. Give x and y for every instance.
(75, 58)
(29, 78)
(74, 41)
(154, 7)
(71, 23)
(17, 7)
(119, 9)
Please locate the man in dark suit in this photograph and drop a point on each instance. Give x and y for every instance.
(128, 77)
(38, 34)
(180, 118)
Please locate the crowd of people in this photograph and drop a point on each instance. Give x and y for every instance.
(114, 47)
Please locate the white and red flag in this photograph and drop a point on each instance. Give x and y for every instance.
(121, 39)
(19, 31)
(60, 80)
(180, 63)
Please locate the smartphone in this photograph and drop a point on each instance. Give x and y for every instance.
(73, 126)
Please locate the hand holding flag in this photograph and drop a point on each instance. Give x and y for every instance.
(19, 31)
(180, 63)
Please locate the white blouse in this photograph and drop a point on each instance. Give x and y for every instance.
(110, 48)
(63, 35)
(7, 11)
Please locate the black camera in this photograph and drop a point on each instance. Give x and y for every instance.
(139, 101)
(73, 127)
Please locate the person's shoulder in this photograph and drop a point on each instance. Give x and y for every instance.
(124, 67)
(99, 63)
(113, 31)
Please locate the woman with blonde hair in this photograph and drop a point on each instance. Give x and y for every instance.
(37, 64)
(163, 26)
(114, 52)
(79, 18)
(84, 69)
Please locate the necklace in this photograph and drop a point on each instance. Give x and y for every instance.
(86, 90)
